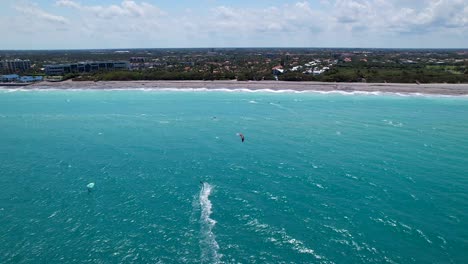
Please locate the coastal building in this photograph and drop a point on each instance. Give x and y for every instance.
(137, 60)
(139, 63)
(29, 79)
(13, 66)
(296, 68)
(317, 71)
(23, 79)
(61, 69)
(277, 70)
(9, 78)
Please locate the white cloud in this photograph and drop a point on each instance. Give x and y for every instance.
(135, 23)
(387, 16)
(127, 8)
(32, 10)
(296, 18)
(127, 24)
(67, 3)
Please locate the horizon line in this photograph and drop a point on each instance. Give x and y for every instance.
(219, 47)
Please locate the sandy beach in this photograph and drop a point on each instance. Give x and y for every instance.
(442, 89)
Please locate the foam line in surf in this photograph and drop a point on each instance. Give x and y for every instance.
(245, 90)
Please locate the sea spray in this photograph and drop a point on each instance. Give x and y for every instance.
(208, 245)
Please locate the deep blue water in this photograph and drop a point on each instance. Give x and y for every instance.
(320, 178)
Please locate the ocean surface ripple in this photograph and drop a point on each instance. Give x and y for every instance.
(320, 178)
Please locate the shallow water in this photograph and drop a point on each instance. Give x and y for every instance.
(321, 178)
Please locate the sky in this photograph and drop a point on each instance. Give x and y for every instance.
(119, 24)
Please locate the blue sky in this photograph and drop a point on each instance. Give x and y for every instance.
(82, 24)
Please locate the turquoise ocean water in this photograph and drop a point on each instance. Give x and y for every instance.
(320, 178)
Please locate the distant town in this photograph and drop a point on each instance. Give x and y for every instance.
(242, 64)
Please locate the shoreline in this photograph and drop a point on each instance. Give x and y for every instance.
(403, 88)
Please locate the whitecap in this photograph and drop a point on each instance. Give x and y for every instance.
(319, 185)
(442, 239)
(391, 123)
(281, 238)
(272, 197)
(53, 215)
(351, 176)
(424, 236)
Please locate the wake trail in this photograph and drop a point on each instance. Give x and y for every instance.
(208, 245)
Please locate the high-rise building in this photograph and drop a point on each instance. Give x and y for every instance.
(15, 66)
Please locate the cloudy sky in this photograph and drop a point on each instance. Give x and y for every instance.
(82, 24)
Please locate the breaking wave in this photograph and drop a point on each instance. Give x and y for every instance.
(231, 90)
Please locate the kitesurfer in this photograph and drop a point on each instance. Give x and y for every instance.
(241, 136)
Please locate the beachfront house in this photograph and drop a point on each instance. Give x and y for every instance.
(277, 70)
(296, 68)
(317, 71)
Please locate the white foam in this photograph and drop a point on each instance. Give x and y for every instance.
(299, 245)
(343, 231)
(230, 90)
(53, 215)
(272, 197)
(401, 227)
(442, 239)
(281, 238)
(12, 90)
(391, 123)
(387, 259)
(351, 176)
(208, 244)
(424, 236)
(245, 90)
